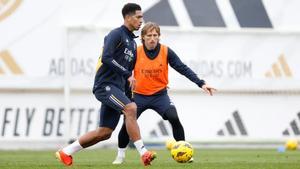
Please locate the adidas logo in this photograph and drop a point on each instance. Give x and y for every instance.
(9, 63)
(293, 128)
(163, 130)
(209, 13)
(279, 69)
(234, 127)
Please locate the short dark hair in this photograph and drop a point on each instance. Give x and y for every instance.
(130, 8)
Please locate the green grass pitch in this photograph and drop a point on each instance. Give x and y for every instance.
(204, 159)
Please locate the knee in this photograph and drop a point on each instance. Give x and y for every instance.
(130, 110)
(103, 133)
(171, 115)
(174, 120)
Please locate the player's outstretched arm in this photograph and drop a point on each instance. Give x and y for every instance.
(209, 90)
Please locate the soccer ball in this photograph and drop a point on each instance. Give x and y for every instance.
(182, 151)
(291, 144)
(169, 143)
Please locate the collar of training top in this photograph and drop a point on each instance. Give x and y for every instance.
(131, 34)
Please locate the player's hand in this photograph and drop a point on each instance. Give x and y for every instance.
(131, 81)
(209, 90)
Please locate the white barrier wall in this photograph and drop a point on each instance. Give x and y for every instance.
(255, 70)
(41, 119)
(229, 117)
(42, 116)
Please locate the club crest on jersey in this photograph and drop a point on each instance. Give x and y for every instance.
(107, 88)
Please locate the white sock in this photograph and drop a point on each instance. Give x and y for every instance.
(121, 152)
(72, 148)
(139, 145)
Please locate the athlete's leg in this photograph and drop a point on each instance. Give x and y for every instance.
(132, 127)
(163, 105)
(166, 109)
(141, 102)
(123, 141)
(178, 131)
(109, 116)
(134, 133)
(122, 103)
(177, 128)
(130, 121)
(103, 132)
(123, 137)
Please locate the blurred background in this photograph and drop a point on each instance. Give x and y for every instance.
(248, 50)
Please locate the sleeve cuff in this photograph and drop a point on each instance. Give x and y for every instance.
(201, 83)
(127, 75)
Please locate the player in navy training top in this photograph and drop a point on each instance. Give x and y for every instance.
(113, 71)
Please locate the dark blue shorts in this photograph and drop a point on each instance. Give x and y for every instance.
(113, 102)
(159, 103)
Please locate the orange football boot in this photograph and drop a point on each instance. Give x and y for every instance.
(148, 157)
(64, 158)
